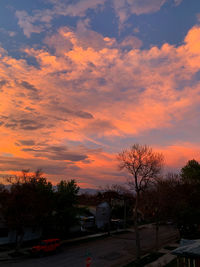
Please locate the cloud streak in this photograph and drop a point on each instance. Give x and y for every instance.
(40, 20)
(94, 90)
(125, 8)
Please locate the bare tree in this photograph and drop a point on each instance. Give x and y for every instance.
(143, 164)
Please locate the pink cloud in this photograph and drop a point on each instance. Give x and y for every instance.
(84, 92)
(125, 8)
(26, 22)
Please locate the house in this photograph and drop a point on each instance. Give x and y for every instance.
(9, 236)
(103, 213)
(188, 253)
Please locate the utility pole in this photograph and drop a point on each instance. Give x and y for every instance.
(124, 213)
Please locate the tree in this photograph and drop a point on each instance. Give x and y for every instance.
(190, 173)
(120, 199)
(28, 203)
(159, 201)
(143, 165)
(66, 209)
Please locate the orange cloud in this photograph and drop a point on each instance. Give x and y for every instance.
(95, 95)
(177, 155)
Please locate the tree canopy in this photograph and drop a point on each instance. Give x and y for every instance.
(66, 210)
(191, 172)
(32, 202)
(142, 163)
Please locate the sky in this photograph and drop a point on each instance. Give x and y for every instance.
(82, 80)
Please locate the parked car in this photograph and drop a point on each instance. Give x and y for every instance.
(87, 223)
(46, 246)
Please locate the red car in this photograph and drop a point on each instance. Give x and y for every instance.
(49, 245)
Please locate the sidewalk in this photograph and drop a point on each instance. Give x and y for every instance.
(165, 259)
(6, 255)
(104, 234)
(93, 236)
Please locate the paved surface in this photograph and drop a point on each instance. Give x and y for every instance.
(112, 251)
(165, 259)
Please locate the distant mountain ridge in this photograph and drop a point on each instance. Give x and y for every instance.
(90, 191)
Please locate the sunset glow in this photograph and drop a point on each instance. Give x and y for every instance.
(82, 80)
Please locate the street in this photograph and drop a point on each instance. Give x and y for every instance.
(116, 250)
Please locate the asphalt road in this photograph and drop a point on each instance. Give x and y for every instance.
(111, 251)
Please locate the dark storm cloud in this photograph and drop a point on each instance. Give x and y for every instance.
(60, 153)
(31, 90)
(29, 109)
(27, 124)
(77, 113)
(2, 83)
(56, 148)
(47, 166)
(47, 149)
(83, 114)
(67, 156)
(27, 142)
(30, 150)
(11, 125)
(28, 86)
(30, 122)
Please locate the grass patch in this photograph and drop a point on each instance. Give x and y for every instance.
(146, 260)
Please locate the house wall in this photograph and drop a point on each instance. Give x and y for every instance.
(10, 238)
(102, 215)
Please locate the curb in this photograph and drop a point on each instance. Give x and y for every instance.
(165, 259)
(94, 236)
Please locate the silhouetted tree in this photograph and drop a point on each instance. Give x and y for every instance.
(121, 201)
(172, 198)
(190, 173)
(28, 203)
(143, 165)
(66, 209)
